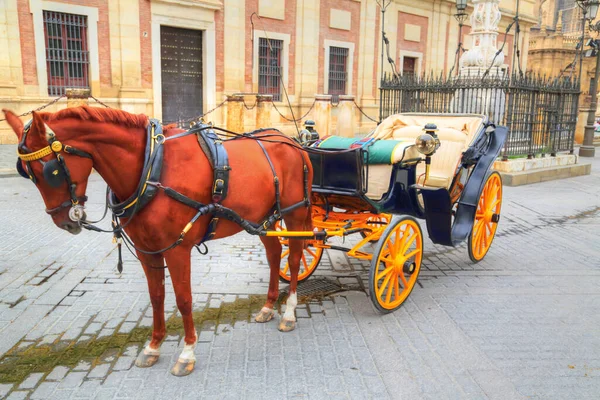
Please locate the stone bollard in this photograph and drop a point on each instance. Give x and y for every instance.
(346, 125)
(235, 113)
(322, 114)
(77, 97)
(264, 105)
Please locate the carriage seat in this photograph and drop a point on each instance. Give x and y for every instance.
(456, 133)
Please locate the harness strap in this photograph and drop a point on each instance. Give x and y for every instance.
(275, 179)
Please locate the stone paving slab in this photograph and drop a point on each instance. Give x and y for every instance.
(523, 323)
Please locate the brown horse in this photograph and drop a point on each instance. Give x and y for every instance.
(115, 141)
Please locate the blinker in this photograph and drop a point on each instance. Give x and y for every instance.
(53, 173)
(21, 170)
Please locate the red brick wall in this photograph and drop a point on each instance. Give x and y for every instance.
(288, 25)
(423, 22)
(28, 41)
(325, 32)
(219, 46)
(146, 43)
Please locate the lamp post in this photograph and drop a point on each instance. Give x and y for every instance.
(590, 8)
(461, 16)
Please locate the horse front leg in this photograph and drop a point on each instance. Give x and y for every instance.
(155, 275)
(179, 264)
(288, 321)
(273, 248)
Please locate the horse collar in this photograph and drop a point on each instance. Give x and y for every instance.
(151, 171)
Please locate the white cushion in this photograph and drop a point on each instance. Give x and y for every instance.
(456, 134)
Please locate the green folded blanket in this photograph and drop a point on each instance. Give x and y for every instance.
(379, 151)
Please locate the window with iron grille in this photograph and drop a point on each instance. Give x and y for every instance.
(409, 65)
(269, 67)
(338, 72)
(67, 55)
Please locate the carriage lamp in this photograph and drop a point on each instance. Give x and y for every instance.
(428, 143)
(308, 135)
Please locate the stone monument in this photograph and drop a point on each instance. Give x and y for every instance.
(484, 63)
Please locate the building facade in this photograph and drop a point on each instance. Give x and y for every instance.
(553, 50)
(174, 59)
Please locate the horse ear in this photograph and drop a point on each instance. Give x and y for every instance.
(38, 126)
(14, 122)
(37, 131)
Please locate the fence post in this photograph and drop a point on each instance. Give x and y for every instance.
(323, 114)
(346, 125)
(77, 97)
(264, 105)
(235, 113)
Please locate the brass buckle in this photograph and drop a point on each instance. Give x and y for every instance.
(217, 182)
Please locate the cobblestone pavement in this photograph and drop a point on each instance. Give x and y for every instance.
(523, 323)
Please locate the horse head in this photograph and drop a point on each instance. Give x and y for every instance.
(59, 170)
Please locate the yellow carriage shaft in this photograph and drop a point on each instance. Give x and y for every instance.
(341, 224)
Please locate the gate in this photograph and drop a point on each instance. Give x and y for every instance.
(181, 73)
(540, 112)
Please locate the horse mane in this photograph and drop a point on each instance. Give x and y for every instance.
(97, 114)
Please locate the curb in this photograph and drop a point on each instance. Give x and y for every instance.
(9, 173)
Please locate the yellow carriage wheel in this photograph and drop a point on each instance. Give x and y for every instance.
(376, 223)
(486, 218)
(311, 256)
(396, 264)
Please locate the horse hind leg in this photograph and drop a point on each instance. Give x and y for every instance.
(156, 288)
(273, 249)
(179, 263)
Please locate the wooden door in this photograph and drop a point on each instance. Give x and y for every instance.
(181, 73)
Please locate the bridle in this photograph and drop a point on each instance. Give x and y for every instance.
(55, 172)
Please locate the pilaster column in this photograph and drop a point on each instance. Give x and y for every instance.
(235, 113)
(346, 125)
(10, 57)
(322, 114)
(264, 105)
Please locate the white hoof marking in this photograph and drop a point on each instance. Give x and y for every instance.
(290, 308)
(149, 351)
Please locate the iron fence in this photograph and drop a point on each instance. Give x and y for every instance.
(540, 112)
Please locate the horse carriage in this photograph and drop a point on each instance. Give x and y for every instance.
(167, 196)
(430, 166)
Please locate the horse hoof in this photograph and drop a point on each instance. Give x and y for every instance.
(265, 315)
(183, 367)
(145, 360)
(287, 325)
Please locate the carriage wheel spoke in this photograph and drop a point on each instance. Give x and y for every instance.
(312, 253)
(408, 243)
(396, 290)
(404, 281)
(304, 262)
(388, 295)
(413, 253)
(383, 285)
(383, 273)
(494, 204)
(488, 225)
(386, 260)
(287, 268)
